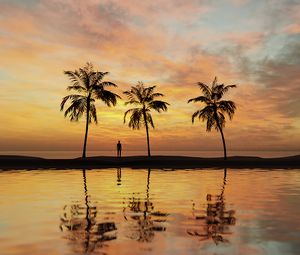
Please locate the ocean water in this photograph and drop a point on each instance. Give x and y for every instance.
(126, 211)
(76, 154)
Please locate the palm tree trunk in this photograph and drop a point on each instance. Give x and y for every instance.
(224, 144)
(222, 135)
(147, 133)
(86, 126)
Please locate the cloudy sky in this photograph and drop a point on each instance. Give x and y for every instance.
(169, 43)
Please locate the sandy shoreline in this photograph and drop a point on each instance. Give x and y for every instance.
(12, 162)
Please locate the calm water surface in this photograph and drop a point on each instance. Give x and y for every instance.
(126, 211)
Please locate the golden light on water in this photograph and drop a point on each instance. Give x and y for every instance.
(136, 211)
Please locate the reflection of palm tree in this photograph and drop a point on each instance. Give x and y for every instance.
(148, 221)
(89, 86)
(215, 108)
(144, 100)
(83, 230)
(216, 221)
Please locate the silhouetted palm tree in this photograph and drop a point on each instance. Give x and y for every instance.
(144, 100)
(215, 108)
(88, 83)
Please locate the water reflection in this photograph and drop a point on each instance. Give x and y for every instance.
(119, 176)
(87, 235)
(215, 221)
(143, 220)
(267, 220)
(79, 221)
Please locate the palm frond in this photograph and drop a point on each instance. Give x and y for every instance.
(132, 110)
(227, 87)
(207, 114)
(219, 90)
(149, 119)
(214, 83)
(133, 102)
(221, 120)
(154, 95)
(205, 89)
(227, 107)
(202, 99)
(108, 84)
(85, 74)
(69, 97)
(75, 78)
(77, 88)
(210, 123)
(195, 114)
(135, 118)
(147, 93)
(158, 105)
(127, 112)
(131, 96)
(93, 114)
(96, 77)
(88, 68)
(108, 97)
(76, 109)
(139, 91)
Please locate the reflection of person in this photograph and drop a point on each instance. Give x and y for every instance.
(119, 149)
(119, 175)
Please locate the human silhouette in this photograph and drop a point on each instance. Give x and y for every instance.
(119, 149)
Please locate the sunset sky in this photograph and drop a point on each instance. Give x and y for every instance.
(172, 44)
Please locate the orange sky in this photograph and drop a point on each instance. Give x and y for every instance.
(171, 44)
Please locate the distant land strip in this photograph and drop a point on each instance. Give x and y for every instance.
(13, 162)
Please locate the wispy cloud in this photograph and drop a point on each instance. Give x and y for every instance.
(172, 44)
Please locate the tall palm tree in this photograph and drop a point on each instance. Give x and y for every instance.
(144, 100)
(215, 109)
(90, 86)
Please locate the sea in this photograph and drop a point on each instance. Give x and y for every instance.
(150, 212)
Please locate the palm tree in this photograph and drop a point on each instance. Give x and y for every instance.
(144, 100)
(215, 108)
(89, 86)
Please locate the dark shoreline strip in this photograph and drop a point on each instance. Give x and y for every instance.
(174, 162)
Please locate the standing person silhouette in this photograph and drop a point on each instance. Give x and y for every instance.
(119, 149)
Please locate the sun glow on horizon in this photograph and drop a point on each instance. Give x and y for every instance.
(174, 47)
